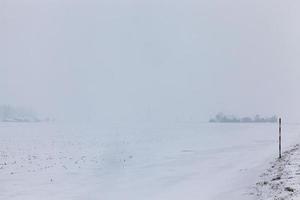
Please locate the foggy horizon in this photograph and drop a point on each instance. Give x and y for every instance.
(149, 99)
(133, 61)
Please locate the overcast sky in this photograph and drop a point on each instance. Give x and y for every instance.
(138, 60)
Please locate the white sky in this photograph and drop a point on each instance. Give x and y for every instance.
(137, 60)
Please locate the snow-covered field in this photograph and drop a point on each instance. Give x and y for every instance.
(92, 162)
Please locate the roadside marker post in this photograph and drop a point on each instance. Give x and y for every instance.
(279, 137)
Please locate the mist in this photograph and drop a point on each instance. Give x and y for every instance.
(150, 61)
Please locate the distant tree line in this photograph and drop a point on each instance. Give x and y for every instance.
(221, 118)
(17, 114)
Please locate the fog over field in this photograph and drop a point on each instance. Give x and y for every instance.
(150, 60)
(111, 99)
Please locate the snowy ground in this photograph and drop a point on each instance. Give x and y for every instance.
(183, 161)
(281, 180)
